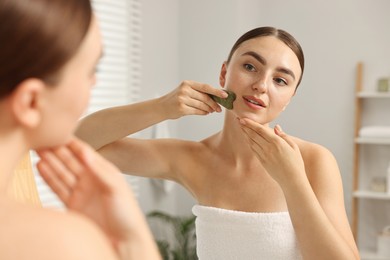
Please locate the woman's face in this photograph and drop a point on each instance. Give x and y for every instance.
(66, 101)
(264, 73)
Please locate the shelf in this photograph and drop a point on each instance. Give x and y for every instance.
(371, 195)
(371, 108)
(372, 140)
(373, 94)
(372, 256)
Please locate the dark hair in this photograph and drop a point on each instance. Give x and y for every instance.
(282, 35)
(38, 37)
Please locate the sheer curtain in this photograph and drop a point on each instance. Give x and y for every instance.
(119, 72)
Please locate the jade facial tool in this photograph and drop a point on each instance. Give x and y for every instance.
(225, 102)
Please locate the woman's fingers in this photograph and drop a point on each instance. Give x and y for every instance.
(256, 130)
(253, 136)
(278, 130)
(191, 105)
(51, 178)
(205, 88)
(192, 98)
(102, 171)
(209, 90)
(69, 160)
(268, 141)
(259, 132)
(62, 169)
(58, 168)
(200, 92)
(205, 102)
(277, 151)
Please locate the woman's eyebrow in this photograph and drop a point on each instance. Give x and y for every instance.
(286, 71)
(262, 60)
(255, 55)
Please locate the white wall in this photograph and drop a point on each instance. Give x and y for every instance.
(159, 75)
(190, 39)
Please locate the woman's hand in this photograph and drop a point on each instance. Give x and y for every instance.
(90, 185)
(276, 151)
(191, 98)
(317, 212)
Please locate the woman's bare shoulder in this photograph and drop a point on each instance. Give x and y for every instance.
(320, 163)
(48, 234)
(313, 151)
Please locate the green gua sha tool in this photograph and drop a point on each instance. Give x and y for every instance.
(225, 102)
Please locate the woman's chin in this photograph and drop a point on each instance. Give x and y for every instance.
(251, 116)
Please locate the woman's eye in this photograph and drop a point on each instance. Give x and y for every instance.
(281, 81)
(249, 67)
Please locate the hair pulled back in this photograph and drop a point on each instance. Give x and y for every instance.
(38, 37)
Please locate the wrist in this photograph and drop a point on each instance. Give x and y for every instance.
(139, 245)
(292, 184)
(162, 108)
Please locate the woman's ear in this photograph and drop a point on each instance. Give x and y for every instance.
(222, 75)
(25, 102)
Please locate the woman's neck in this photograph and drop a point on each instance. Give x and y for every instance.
(233, 140)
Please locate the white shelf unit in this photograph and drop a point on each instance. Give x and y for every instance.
(372, 256)
(372, 94)
(362, 194)
(372, 140)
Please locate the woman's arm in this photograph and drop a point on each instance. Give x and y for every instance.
(108, 125)
(320, 199)
(316, 205)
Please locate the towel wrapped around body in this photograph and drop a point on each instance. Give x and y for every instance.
(228, 234)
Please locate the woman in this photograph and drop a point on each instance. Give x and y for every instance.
(48, 53)
(262, 194)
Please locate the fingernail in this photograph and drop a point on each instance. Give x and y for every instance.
(224, 94)
(279, 128)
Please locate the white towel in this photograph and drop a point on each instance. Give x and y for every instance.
(375, 131)
(227, 234)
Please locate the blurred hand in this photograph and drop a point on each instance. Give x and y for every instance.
(90, 185)
(191, 98)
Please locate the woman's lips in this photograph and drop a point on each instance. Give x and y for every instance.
(253, 102)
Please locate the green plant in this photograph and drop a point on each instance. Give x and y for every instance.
(183, 244)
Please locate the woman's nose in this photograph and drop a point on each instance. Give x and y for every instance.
(260, 86)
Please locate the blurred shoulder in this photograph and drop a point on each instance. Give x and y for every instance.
(48, 234)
